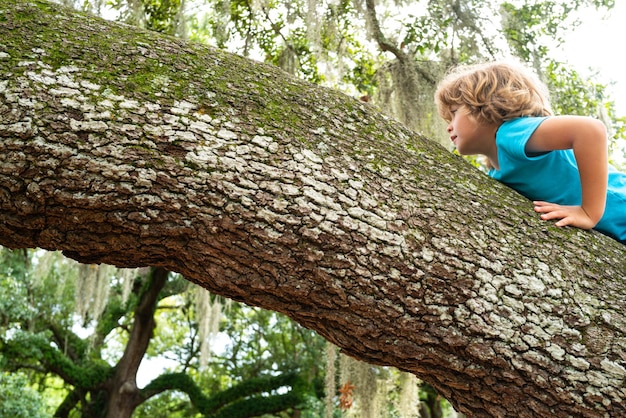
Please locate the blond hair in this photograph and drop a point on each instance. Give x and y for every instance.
(493, 92)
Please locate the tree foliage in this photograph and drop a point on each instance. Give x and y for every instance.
(392, 53)
(17, 398)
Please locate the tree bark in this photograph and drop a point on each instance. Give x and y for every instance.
(125, 147)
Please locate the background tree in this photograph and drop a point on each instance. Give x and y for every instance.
(118, 307)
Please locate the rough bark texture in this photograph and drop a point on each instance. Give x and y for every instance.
(124, 147)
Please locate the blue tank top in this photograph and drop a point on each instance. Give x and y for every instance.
(553, 176)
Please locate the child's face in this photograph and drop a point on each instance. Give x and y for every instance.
(468, 136)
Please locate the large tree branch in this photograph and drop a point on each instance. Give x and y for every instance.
(125, 147)
(377, 33)
(385, 45)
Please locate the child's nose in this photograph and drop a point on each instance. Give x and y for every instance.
(449, 128)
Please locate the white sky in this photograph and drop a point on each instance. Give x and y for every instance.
(598, 44)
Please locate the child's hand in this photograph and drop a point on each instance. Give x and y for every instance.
(567, 215)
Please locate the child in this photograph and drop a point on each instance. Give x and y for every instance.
(502, 111)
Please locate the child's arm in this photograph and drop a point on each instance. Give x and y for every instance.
(588, 138)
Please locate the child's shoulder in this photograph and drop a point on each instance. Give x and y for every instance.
(525, 121)
(520, 127)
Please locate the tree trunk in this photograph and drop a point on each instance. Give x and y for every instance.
(124, 396)
(125, 147)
